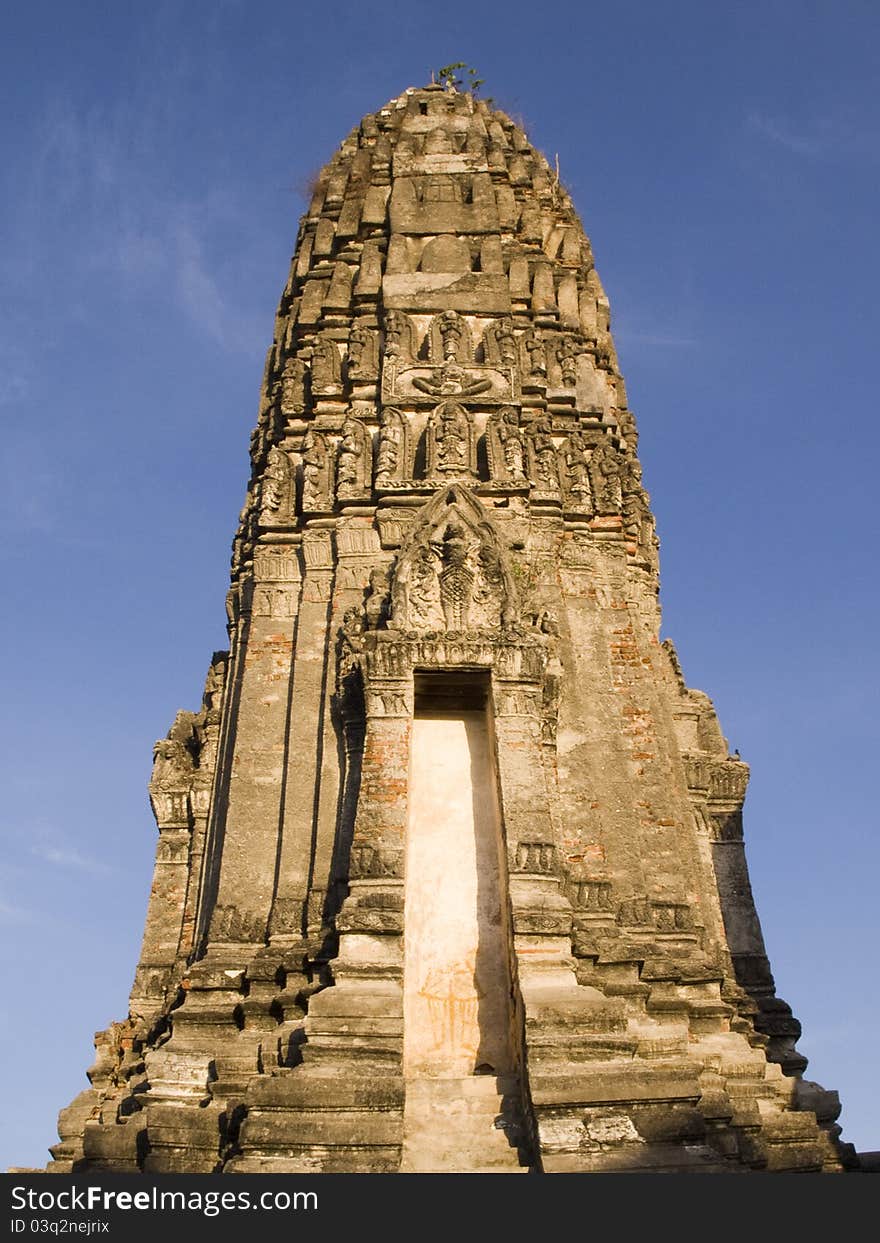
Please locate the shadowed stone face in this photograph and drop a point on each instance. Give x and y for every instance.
(450, 872)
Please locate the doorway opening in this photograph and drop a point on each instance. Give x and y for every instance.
(459, 1048)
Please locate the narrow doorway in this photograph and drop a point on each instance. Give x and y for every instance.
(459, 1048)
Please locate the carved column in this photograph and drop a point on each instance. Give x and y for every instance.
(167, 898)
(250, 837)
(350, 1085)
(304, 711)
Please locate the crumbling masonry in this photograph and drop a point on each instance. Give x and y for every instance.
(450, 872)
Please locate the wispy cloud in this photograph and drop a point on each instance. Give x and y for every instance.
(666, 339)
(96, 197)
(69, 858)
(819, 138)
(10, 913)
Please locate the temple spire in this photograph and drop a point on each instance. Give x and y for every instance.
(450, 872)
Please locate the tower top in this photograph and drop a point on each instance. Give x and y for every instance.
(441, 266)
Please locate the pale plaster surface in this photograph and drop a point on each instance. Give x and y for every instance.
(456, 977)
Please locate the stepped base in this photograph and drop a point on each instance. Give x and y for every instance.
(463, 1126)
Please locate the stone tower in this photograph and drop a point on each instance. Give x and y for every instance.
(450, 872)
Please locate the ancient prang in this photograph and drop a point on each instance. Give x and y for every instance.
(450, 872)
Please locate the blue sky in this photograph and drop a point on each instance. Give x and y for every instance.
(725, 161)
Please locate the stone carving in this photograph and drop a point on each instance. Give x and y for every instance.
(452, 380)
(215, 685)
(393, 456)
(516, 702)
(387, 703)
(605, 467)
(449, 339)
(376, 603)
(627, 427)
(451, 446)
(293, 391)
(326, 367)
(275, 490)
(230, 923)
(638, 524)
(534, 857)
(534, 351)
(361, 358)
(500, 343)
(316, 473)
(374, 861)
(635, 913)
(398, 336)
(354, 460)
(273, 601)
(452, 573)
(543, 621)
(349, 652)
(672, 916)
(456, 577)
(729, 779)
(505, 446)
(576, 475)
(450, 369)
(568, 350)
(593, 896)
(543, 460)
(276, 563)
(176, 756)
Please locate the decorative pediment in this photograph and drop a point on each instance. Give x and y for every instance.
(453, 574)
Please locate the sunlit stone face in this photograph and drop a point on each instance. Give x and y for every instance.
(456, 975)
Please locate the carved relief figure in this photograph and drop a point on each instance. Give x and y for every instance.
(397, 335)
(451, 380)
(449, 339)
(638, 522)
(274, 487)
(605, 473)
(450, 440)
(452, 572)
(567, 352)
(392, 457)
(293, 386)
(505, 446)
(535, 352)
(376, 603)
(352, 458)
(423, 592)
(504, 341)
(575, 455)
(544, 467)
(491, 587)
(452, 335)
(351, 644)
(315, 461)
(360, 361)
(325, 366)
(456, 578)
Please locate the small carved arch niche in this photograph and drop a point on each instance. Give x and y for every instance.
(453, 573)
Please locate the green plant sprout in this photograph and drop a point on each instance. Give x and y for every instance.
(447, 76)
